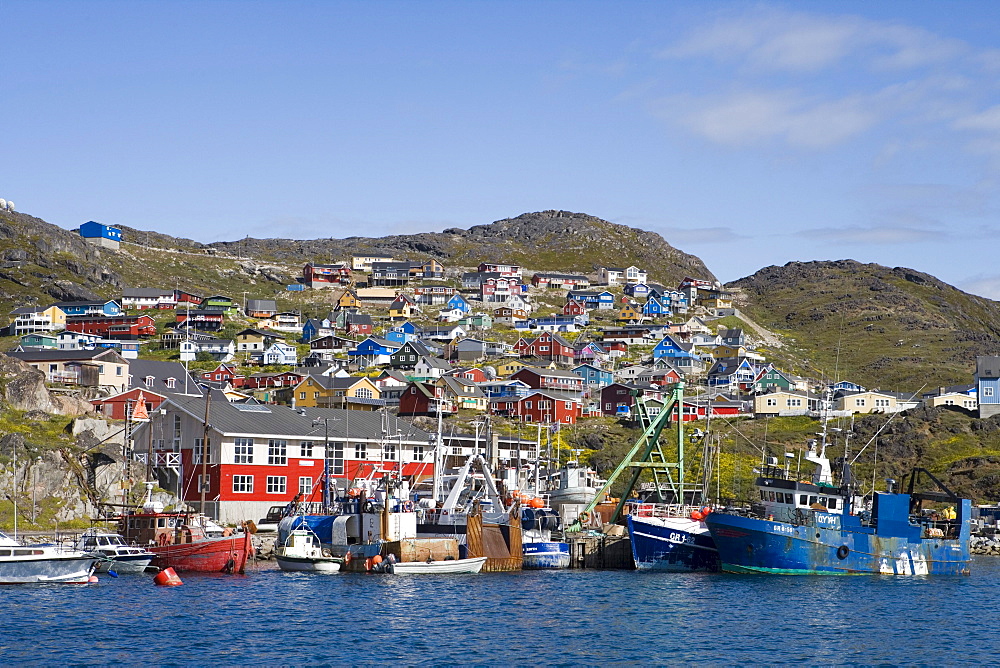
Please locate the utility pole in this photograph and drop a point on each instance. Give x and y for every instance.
(205, 451)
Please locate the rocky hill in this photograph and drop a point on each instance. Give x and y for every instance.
(891, 328)
(546, 241)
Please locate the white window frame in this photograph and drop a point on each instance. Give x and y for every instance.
(242, 484)
(243, 451)
(277, 484)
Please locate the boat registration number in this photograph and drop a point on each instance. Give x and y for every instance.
(782, 528)
(680, 538)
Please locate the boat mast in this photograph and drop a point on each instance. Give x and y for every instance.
(204, 453)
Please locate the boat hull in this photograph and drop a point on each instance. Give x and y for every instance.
(471, 565)
(673, 544)
(228, 554)
(545, 555)
(751, 545)
(47, 568)
(136, 563)
(308, 565)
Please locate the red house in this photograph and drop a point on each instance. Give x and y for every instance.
(124, 405)
(473, 374)
(223, 372)
(423, 399)
(547, 346)
(326, 275)
(511, 270)
(544, 407)
(118, 326)
(182, 297)
(549, 379)
(574, 308)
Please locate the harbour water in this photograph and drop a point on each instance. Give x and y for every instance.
(569, 617)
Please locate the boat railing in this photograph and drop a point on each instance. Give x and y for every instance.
(662, 509)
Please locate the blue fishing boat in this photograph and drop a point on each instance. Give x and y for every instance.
(547, 555)
(814, 527)
(671, 541)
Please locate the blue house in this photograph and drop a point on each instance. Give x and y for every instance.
(636, 290)
(599, 300)
(654, 307)
(315, 328)
(102, 235)
(680, 355)
(732, 374)
(373, 351)
(594, 375)
(499, 389)
(988, 385)
(458, 302)
(108, 308)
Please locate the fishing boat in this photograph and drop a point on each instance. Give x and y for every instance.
(186, 541)
(116, 554)
(816, 527)
(303, 552)
(539, 551)
(31, 564)
(671, 538)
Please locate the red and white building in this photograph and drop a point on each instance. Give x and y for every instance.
(544, 407)
(326, 275)
(117, 326)
(260, 456)
(511, 270)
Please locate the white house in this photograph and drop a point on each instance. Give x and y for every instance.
(280, 353)
(221, 350)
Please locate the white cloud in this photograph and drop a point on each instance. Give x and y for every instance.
(752, 117)
(770, 39)
(856, 235)
(983, 285)
(700, 235)
(984, 121)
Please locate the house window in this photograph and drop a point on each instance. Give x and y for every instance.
(363, 393)
(148, 380)
(772, 402)
(390, 452)
(277, 452)
(302, 395)
(360, 450)
(305, 486)
(276, 484)
(859, 402)
(171, 382)
(336, 462)
(204, 483)
(243, 451)
(987, 391)
(306, 449)
(243, 484)
(177, 433)
(418, 453)
(202, 449)
(527, 404)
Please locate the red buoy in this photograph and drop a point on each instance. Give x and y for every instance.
(167, 578)
(697, 516)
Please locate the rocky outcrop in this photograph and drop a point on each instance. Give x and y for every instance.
(23, 388)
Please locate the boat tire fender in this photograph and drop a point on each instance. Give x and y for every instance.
(369, 507)
(327, 553)
(843, 551)
(162, 539)
(347, 558)
(584, 517)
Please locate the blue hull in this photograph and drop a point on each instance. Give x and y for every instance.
(824, 547)
(549, 555)
(671, 544)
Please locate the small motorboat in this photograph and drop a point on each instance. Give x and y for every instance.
(470, 565)
(25, 564)
(116, 555)
(303, 552)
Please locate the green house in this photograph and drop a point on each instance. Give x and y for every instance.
(477, 320)
(221, 302)
(39, 340)
(772, 378)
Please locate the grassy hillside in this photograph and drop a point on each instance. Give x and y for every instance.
(891, 328)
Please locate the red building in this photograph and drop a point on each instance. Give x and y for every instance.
(223, 372)
(547, 346)
(326, 275)
(423, 399)
(544, 407)
(549, 379)
(574, 308)
(125, 404)
(118, 326)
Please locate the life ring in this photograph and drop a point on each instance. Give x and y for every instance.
(583, 517)
(326, 552)
(843, 551)
(408, 506)
(162, 539)
(347, 558)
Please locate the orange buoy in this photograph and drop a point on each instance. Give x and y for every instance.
(167, 578)
(536, 503)
(697, 516)
(93, 578)
(706, 511)
(376, 560)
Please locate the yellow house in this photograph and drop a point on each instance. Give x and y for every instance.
(871, 401)
(506, 369)
(357, 392)
(629, 314)
(103, 367)
(400, 309)
(725, 352)
(784, 402)
(348, 299)
(254, 340)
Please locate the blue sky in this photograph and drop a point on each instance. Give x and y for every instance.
(749, 134)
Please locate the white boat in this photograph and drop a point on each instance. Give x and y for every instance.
(23, 564)
(117, 555)
(471, 565)
(303, 552)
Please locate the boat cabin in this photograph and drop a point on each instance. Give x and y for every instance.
(148, 528)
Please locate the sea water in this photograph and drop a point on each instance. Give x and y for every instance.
(573, 617)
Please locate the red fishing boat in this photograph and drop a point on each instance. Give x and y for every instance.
(187, 541)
